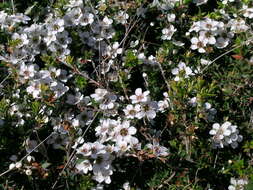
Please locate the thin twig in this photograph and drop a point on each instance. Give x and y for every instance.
(167, 180)
(225, 53)
(7, 171)
(75, 70)
(5, 79)
(44, 147)
(163, 75)
(74, 152)
(215, 161)
(122, 86)
(13, 6)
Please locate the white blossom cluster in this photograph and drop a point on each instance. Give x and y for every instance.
(225, 135)
(21, 166)
(8, 22)
(164, 4)
(210, 32)
(237, 184)
(116, 138)
(143, 107)
(168, 32)
(247, 11)
(184, 70)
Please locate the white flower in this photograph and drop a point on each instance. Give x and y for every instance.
(3, 16)
(226, 134)
(207, 106)
(157, 149)
(58, 88)
(18, 164)
(20, 17)
(237, 184)
(98, 187)
(124, 132)
(238, 25)
(148, 109)
(182, 67)
(103, 176)
(211, 112)
(114, 50)
(34, 88)
(73, 17)
(164, 4)
(163, 105)
(171, 17)
(102, 162)
(27, 71)
(140, 96)
(134, 43)
(199, 43)
(122, 146)
(86, 19)
(85, 117)
(23, 40)
(208, 36)
(211, 25)
(141, 56)
(248, 12)
(58, 140)
(126, 186)
(96, 149)
(106, 22)
(193, 102)
(99, 94)
(122, 17)
(74, 4)
(74, 99)
(108, 102)
(56, 26)
(222, 42)
(131, 111)
(84, 150)
(168, 32)
(49, 38)
(105, 131)
(30, 158)
(205, 62)
(220, 131)
(84, 166)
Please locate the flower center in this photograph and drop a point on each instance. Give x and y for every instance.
(124, 132)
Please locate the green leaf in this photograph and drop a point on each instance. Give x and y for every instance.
(45, 165)
(35, 107)
(131, 59)
(249, 186)
(29, 9)
(81, 82)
